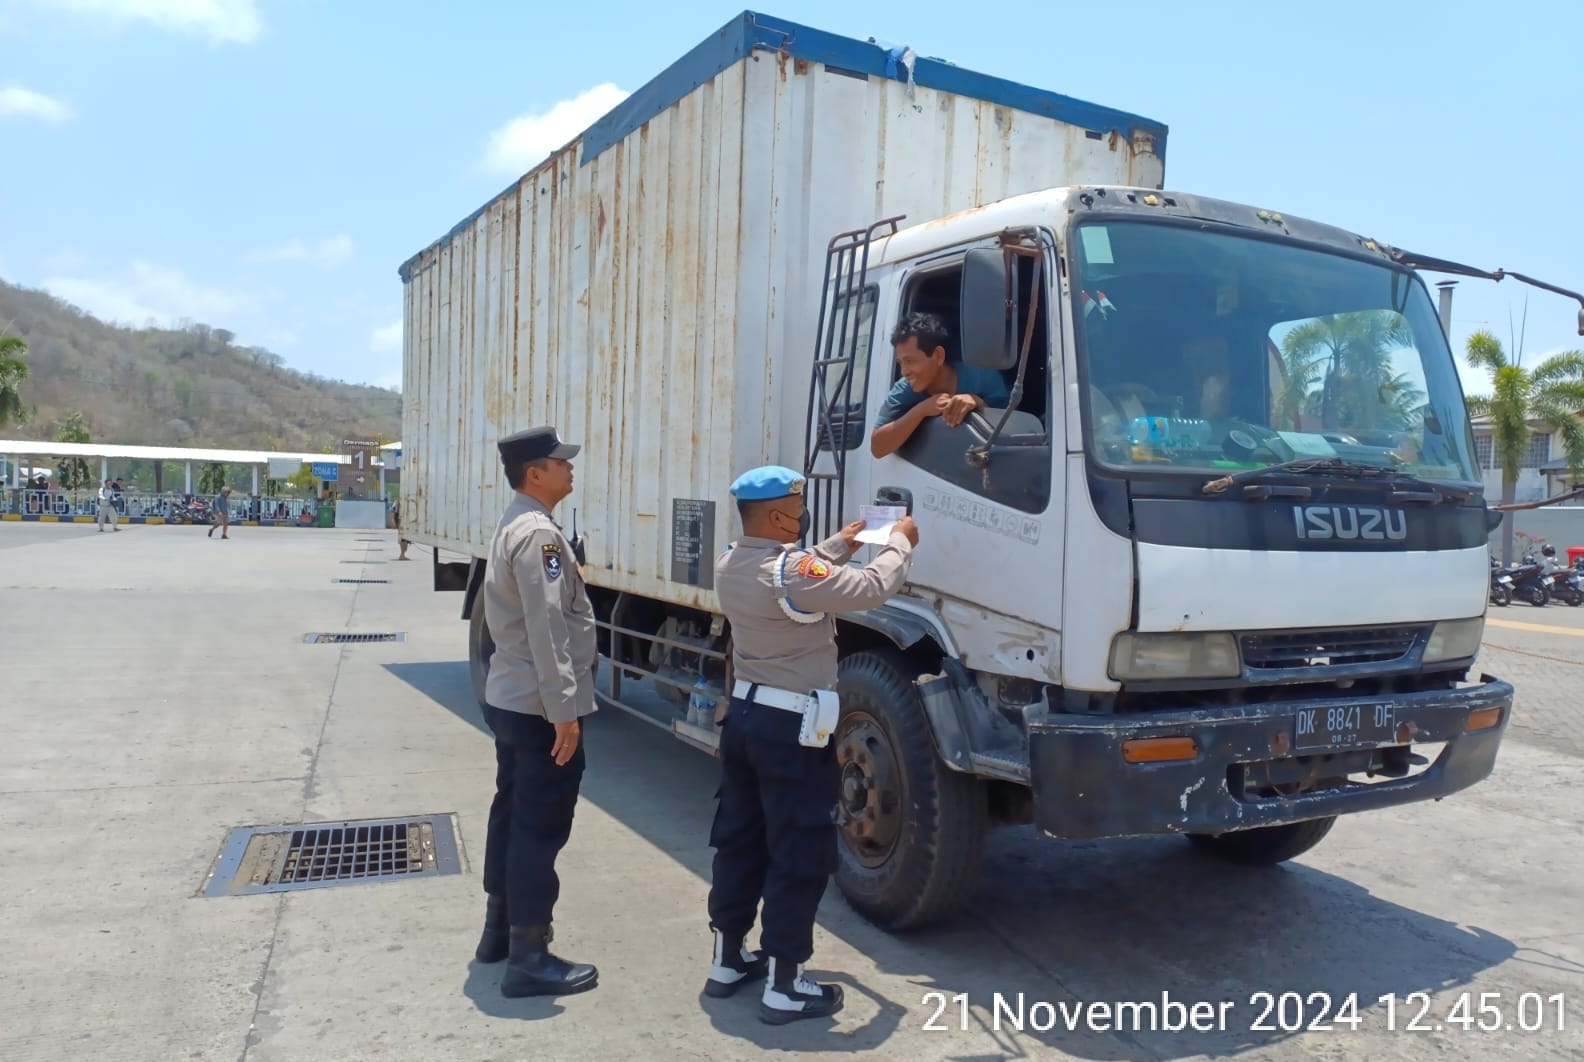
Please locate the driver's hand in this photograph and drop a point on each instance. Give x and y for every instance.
(958, 407)
(935, 405)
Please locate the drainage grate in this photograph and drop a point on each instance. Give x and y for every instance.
(344, 638)
(362, 562)
(362, 580)
(259, 859)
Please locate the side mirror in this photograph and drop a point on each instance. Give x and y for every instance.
(988, 309)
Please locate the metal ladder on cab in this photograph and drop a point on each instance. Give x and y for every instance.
(835, 416)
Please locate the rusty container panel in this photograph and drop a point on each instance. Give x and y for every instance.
(654, 295)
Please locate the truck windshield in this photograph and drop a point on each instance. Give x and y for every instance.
(1205, 351)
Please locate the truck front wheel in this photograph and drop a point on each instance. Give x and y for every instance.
(1265, 845)
(912, 829)
(480, 648)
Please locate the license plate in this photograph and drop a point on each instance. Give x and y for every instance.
(1344, 726)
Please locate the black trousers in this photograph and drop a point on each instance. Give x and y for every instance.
(531, 816)
(774, 833)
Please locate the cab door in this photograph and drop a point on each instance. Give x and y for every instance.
(991, 535)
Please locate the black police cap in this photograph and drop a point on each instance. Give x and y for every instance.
(533, 444)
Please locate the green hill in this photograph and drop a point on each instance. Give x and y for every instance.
(191, 386)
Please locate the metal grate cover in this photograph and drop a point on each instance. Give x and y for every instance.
(362, 562)
(345, 638)
(362, 580)
(257, 859)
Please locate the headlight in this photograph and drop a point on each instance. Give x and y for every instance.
(1455, 640)
(1142, 657)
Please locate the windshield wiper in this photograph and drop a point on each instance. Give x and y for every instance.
(1336, 466)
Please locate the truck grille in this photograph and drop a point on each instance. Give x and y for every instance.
(1334, 648)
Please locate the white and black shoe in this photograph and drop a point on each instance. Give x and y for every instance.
(733, 966)
(789, 996)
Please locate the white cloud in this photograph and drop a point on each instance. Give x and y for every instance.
(147, 292)
(19, 102)
(526, 140)
(387, 338)
(325, 253)
(222, 21)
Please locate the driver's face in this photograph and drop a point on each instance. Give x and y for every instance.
(919, 368)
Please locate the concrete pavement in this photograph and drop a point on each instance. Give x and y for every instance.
(155, 692)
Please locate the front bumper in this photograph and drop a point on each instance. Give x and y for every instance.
(1083, 788)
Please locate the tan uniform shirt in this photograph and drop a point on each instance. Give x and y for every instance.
(771, 648)
(540, 618)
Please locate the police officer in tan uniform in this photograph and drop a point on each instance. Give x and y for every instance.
(541, 683)
(774, 832)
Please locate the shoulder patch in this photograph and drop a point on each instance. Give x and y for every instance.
(812, 567)
(552, 560)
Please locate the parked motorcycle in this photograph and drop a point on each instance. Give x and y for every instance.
(1530, 581)
(1501, 586)
(1567, 585)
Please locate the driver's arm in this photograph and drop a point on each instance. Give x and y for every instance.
(887, 438)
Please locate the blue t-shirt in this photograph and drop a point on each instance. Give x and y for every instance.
(986, 383)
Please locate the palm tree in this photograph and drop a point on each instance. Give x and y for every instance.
(1551, 393)
(1349, 357)
(13, 370)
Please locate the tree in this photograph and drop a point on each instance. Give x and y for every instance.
(302, 480)
(13, 370)
(1551, 393)
(212, 478)
(73, 472)
(1348, 355)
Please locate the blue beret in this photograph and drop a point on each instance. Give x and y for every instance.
(766, 483)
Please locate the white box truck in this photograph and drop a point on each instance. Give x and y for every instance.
(1218, 569)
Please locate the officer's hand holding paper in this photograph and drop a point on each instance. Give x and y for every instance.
(879, 521)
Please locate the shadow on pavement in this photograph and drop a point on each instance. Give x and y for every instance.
(1057, 923)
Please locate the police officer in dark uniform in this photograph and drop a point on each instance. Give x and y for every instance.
(541, 683)
(774, 832)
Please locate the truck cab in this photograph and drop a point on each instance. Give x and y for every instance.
(1219, 569)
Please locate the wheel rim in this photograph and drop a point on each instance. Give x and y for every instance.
(871, 791)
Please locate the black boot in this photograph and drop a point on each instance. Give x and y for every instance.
(733, 966)
(494, 945)
(532, 971)
(790, 996)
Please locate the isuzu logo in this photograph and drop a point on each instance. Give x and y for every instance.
(1364, 522)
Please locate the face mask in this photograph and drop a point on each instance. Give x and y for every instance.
(804, 520)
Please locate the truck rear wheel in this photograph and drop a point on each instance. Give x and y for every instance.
(912, 833)
(480, 648)
(1265, 845)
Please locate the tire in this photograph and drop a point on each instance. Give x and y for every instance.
(911, 842)
(480, 648)
(1501, 596)
(1539, 596)
(1265, 845)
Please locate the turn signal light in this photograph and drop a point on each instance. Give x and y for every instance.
(1484, 719)
(1159, 749)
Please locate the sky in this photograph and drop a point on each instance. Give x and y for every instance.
(266, 165)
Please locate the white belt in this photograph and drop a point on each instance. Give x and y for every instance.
(774, 698)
